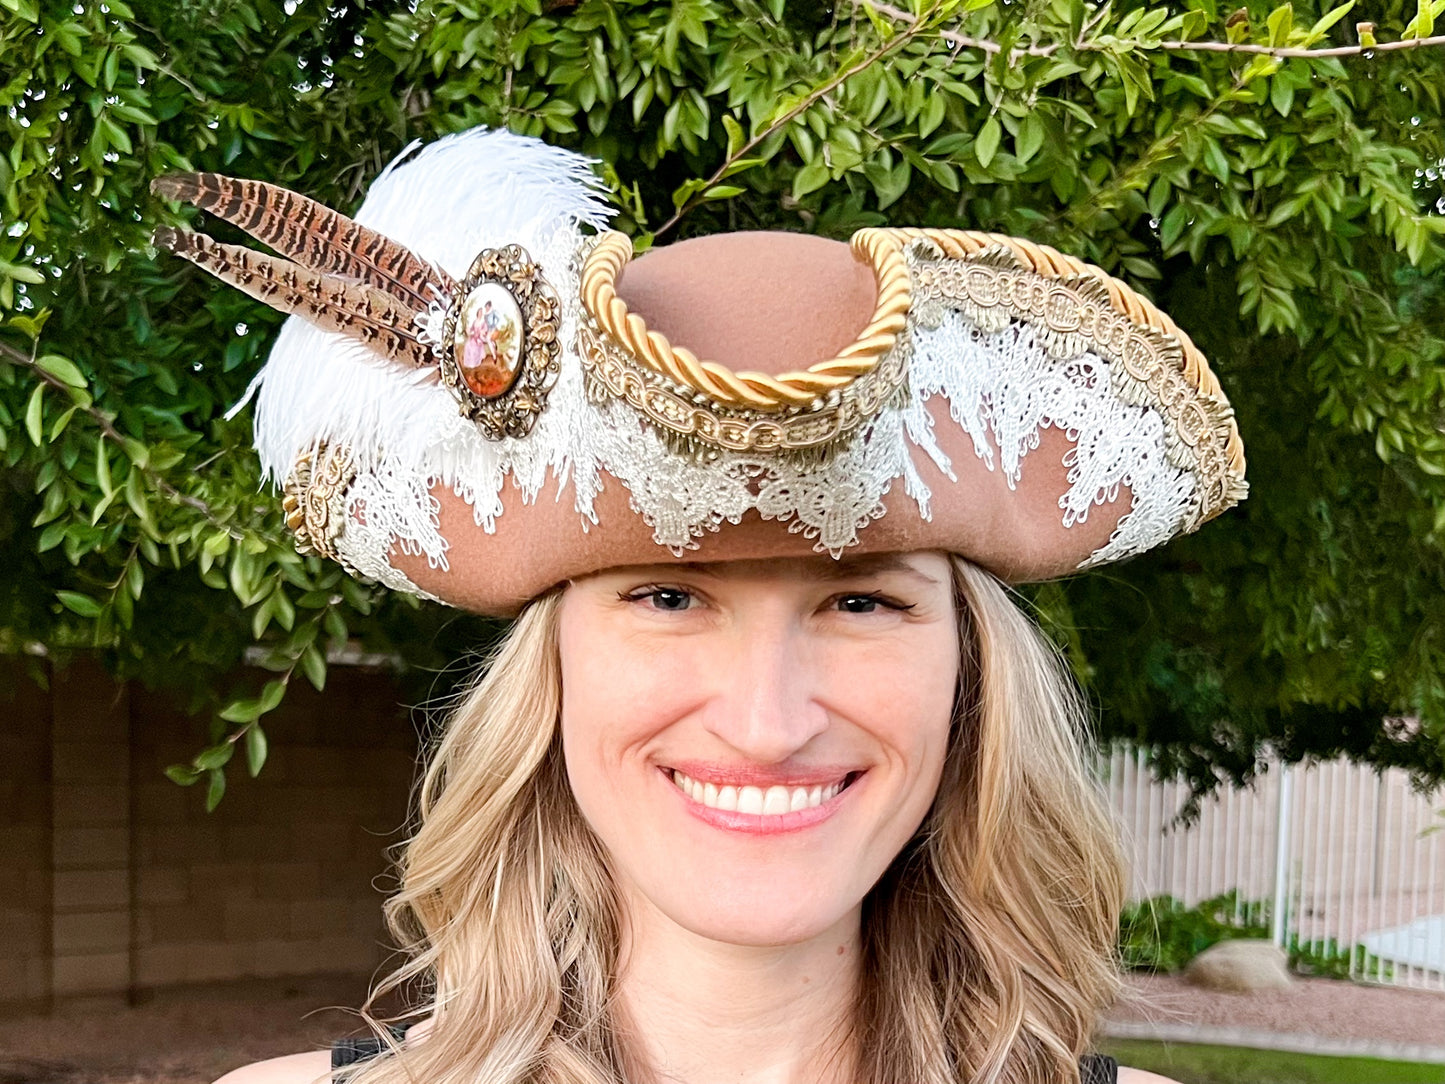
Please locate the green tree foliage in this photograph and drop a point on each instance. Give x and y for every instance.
(1270, 177)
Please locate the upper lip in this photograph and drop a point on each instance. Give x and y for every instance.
(762, 775)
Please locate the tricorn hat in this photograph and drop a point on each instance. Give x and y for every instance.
(481, 393)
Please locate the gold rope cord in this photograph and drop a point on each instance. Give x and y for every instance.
(1050, 263)
(751, 390)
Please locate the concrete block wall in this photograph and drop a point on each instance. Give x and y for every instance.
(279, 879)
(90, 730)
(115, 880)
(25, 837)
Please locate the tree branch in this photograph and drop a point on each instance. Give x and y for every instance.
(1287, 53)
(984, 45)
(915, 27)
(110, 432)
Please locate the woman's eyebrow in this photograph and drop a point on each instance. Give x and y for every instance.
(831, 571)
(866, 565)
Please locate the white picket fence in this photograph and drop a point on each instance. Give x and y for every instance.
(1329, 852)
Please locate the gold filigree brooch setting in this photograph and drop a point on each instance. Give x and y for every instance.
(498, 344)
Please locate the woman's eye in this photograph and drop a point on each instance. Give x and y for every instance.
(866, 604)
(667, 599)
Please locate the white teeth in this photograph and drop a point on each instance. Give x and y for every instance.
(769, 802)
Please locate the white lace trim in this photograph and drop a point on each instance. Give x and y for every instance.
(1003, 388)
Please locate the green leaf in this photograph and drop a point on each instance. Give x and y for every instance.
(21, 273)
(1030, 137)
(34, 420)
(934, 110)
(182, 774)
(810, 178)
(216, 756)
(74, 601)
(58, 426)
(986, 145)
(255, 749)
(215, 789)
(241, 711)
(62, 369)
(1326, 21)
(1280, 22)
(737, 138)
(1423, 25)
(135, 495)
(271, 695)
(313, 664)
(1215, 161)
(1281, 95)
(1172, 225)
(102, 466)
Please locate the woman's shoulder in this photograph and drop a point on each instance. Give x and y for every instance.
(315, 1065)
(304, 1068)
(1141, 1076)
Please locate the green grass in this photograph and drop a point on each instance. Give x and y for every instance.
(1193, 1064)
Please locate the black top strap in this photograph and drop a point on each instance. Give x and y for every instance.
(357, 1048)
(1098, 1069)
(1093, 1068)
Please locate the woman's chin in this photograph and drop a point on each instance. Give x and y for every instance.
(747, 931)
(763, 916)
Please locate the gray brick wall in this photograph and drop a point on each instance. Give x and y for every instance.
(114, 880)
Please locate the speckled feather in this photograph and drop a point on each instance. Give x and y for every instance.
(311, 233)
(361, 312)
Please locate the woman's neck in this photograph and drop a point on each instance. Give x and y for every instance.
(704, 1012)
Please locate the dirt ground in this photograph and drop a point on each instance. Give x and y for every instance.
(1327, 1007)
(189, 1036)
(193, 1036)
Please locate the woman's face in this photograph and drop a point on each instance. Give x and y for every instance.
(755, 741)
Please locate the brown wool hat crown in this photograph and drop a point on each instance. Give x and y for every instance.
(478, 402)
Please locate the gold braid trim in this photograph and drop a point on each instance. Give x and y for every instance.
(1052, 264)
(751, 390)
(314, 499)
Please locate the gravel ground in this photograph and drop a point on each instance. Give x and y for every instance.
(1327, 1007)
(194, 1036)
(189, 1036)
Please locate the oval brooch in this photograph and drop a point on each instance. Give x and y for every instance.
(500, 353)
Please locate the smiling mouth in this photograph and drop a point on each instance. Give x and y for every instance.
(759, 801)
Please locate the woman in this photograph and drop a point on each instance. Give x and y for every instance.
(770, 780)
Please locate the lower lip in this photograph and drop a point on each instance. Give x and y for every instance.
(758, 824)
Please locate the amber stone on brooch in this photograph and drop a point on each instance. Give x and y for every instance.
(488, 340)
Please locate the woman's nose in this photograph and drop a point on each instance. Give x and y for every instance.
(766, 705)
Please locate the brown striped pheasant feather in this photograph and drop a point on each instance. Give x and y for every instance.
(354, 309)
(311, 234)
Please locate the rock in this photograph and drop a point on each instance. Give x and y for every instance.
(1240, 966)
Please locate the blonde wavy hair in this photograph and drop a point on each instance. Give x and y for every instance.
(989, 944)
